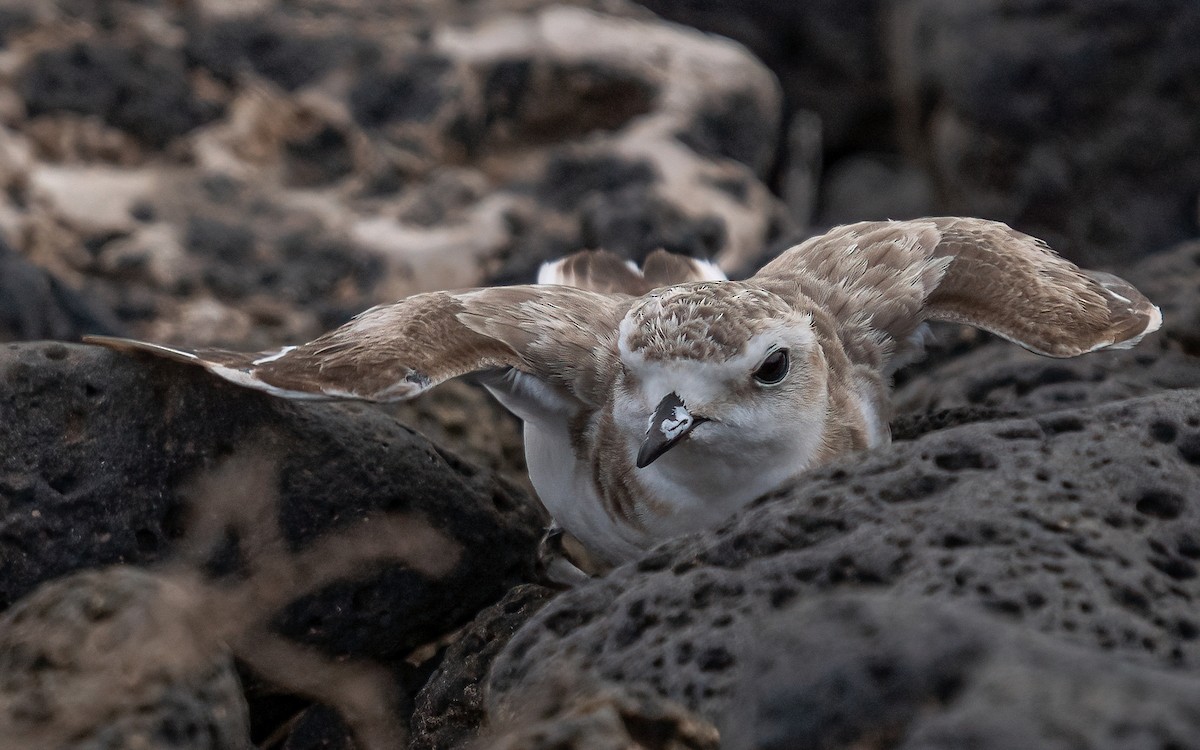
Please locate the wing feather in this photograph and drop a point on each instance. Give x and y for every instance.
(897, 274)
(564, 337)
(606, 272)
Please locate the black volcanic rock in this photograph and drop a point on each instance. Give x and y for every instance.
(450, 708)
(838, 670)
(1082, 524)
(141, 89)
(94, 449)
(829, 56)
(1012, 381)
(1074, 121)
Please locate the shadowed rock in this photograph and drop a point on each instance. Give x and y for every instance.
(96, 449)
(863, 670)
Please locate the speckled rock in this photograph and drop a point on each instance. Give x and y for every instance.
(1080, 524)
(1075, 121)
(1012, 381)
(96, 448)
(251, 175)
(908, 672)
(116, 659)
(449, 709)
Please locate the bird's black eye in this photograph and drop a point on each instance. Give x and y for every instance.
(773, 369)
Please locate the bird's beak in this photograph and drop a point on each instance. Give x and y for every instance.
(671, 423)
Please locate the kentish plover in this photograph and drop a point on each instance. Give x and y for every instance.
(660, 400)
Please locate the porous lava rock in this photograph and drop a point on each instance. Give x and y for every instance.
(1078, 524)
(96, 449)
(450, 708)
(871, 670)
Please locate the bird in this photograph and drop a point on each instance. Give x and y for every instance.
(660, 399)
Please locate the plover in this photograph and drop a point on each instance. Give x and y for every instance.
(661, 399)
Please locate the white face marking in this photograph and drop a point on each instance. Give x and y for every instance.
(679, 423)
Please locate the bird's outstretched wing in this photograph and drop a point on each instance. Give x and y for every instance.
(559, 335)
(981, 273)
(605, 272)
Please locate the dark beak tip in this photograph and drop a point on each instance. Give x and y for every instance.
(646, 455)
(656, 442)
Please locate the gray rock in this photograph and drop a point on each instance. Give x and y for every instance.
(1079, 524)
(1074, 121)
(449, 709)
(116, 659)
(96, 449)
(829, 56)
(1172, 280)
(878, 670)
(874, 187)
(1012, 381)
(34, 304)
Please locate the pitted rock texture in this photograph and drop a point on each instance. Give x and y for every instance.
(116, 659)
(449, 709)
(95, 448)
(1080, 524)
(1008, 380)
(844, 670)
(1075, 121)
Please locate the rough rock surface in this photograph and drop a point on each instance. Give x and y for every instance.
(909, 672)
(116, 659)
(450, 708)
(1075, 121)
(1079, 524)
(95, 449)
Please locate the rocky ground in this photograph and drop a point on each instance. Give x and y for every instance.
(184, 564)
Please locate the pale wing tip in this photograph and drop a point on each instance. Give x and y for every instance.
(119, 344)
(1133, 306)
(1155, 322)
(247, 371)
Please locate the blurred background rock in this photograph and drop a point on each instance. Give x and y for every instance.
(250, 173)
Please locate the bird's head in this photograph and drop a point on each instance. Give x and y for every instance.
(720, 372)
